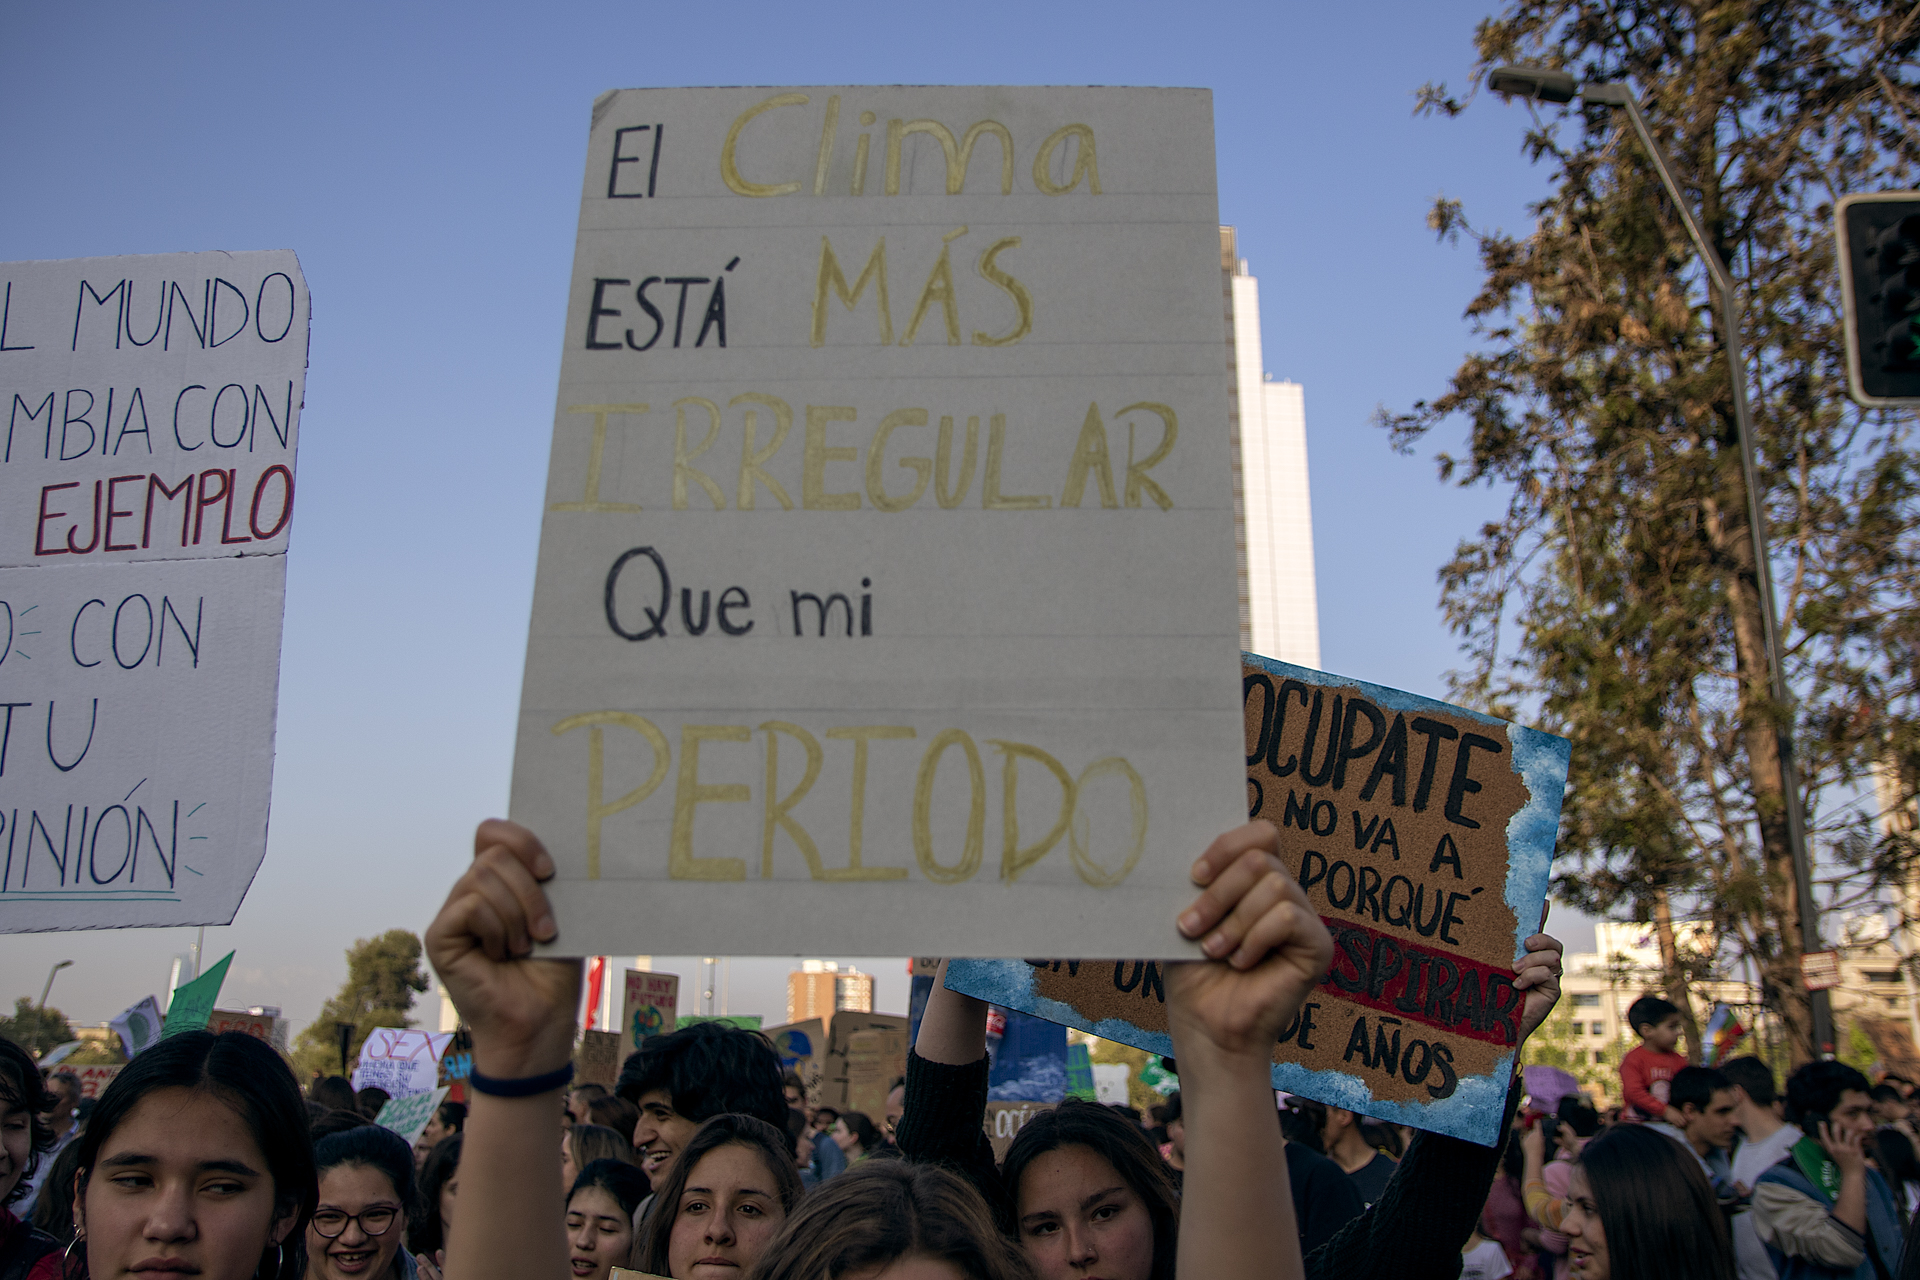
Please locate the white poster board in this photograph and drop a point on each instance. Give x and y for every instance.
(401, 1061)
(886, 575)
(408, 1116)
(152, 412)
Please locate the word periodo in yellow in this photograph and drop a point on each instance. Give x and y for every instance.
(789, 651)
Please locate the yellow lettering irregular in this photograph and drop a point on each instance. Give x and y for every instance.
(814, 460)
(751, 463)
(1090, 454)
(1084, 161)
(990, 271)
(1090, 871)
(990, 495)
(922, 468)
(1137, 478)
(683, 468)
(591, 501)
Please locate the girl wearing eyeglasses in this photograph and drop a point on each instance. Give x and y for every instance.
(366, 1190)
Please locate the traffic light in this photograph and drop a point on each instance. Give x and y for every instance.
(1878, 237)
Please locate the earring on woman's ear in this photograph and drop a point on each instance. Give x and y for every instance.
(66, 1256)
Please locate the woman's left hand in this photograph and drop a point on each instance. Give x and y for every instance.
(1539, 977)
(1255, 919)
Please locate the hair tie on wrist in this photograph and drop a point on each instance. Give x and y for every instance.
(524, 1087)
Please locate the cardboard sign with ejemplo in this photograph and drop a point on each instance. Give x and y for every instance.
(146, 502)
(885, 585)
(1423, 835)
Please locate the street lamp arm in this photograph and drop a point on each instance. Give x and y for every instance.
(1619, 95)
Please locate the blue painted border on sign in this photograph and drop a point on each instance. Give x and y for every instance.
(1475, 1111)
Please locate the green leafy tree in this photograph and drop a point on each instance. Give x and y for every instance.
(383, 975)
(1616, 600)
(35, 1029)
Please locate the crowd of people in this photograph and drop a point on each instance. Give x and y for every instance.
(205, 1157)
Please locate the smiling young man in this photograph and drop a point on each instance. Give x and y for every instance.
(679, 1081)
(1821, 1212)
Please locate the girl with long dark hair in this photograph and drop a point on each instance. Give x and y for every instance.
(1638, 1207)
(195, 1161)
(720, 1203)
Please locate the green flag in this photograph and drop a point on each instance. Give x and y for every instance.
(193, 1001)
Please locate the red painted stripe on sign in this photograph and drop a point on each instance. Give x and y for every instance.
(1443, 989)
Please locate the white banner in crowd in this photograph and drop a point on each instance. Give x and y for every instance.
(139, 1025)
(146, 493)
(886, 584)
(401, 1061)
(408, 1116)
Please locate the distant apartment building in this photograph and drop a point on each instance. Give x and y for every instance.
(1272, 509)
(822, 987)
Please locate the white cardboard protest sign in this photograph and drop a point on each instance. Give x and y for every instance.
(886, 569)
(408, 1116)
(404, 1062)
(146, 494)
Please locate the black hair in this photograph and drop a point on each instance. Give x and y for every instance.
(22, 1089)
(1118, 1141)
(375, 1148)
(624, 1182)
(53, 1211)
(1305, 1121)
(861, 1126)
(1384, 1138)
(1695, 1087)
(453, 1115)
(331, 1123)
(245, 1074)
(1650, 1011)
(1814, 1088)
(1893, 1152)
(1753, 1078)
(1656, 1209)
(1171, 1111)
(369, 1100)
(68, 1078)
(1578, 1114)
(424, 1235)
(708, 1069)
(1884, 1092)
(335, 1093)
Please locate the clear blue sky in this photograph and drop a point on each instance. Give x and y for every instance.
(424, 161)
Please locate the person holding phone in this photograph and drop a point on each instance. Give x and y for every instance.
(1821, 1212)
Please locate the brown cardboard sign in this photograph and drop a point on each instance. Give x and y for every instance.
(837, 1077)
(1422, 834)
(597, 1060)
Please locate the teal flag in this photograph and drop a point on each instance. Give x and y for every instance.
(193, 1001)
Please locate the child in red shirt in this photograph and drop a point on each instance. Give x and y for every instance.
(1646, 1071)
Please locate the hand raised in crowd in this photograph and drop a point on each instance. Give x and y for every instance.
(1846, 1146)
(1539, 977)
(520, 1009)
(1533, 1145)
(1253, 915)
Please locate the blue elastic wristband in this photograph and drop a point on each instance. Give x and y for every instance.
(525, 1087)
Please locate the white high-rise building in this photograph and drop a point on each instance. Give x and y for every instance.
(1273, 511)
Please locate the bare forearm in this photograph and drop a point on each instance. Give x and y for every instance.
(1237, 1217)
(953, 1028)
(1851, 1205)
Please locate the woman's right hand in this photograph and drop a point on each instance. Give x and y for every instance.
(519, 1009)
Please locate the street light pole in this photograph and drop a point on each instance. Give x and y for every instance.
(48, 989)
(1558, 86)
